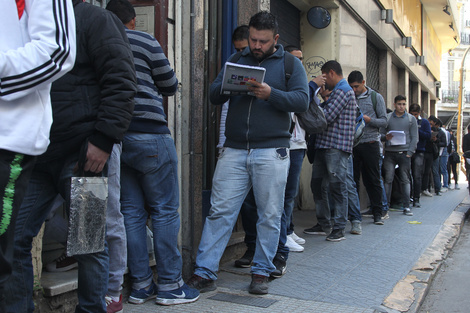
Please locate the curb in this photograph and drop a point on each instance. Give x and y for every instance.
(409, 293)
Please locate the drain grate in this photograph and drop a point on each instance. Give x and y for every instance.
(246, 300)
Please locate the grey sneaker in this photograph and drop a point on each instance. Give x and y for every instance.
(259, 284)
(356, 227)
(427, 193)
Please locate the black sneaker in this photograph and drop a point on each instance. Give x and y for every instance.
(246, 259)
(316, 230)
(336, 235)
(416, 203)
(201, 284)
(259, 284)
(368, 213)
(378, 219)
(281, 266)
(407, 211)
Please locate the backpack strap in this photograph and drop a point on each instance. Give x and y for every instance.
(235, 57)
(288, 65)
(373, 96)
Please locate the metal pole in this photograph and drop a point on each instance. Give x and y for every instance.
(459, 120)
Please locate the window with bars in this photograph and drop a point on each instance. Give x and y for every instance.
(373, 62)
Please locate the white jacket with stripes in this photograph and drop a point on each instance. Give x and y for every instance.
(37, 46)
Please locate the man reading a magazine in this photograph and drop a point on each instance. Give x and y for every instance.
(255, 154)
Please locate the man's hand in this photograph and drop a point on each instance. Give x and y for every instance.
(261, 91)
(320, 80)
(366, 118)
(95, 159)
(388, 136)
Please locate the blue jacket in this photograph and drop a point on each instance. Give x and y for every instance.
(253, 123)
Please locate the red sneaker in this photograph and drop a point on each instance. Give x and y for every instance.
(113, 306)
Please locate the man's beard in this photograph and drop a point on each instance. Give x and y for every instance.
(260, 56)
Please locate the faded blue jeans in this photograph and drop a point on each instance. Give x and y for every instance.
(149, 175)
(329, 182)
(236, 172)
(48, 180)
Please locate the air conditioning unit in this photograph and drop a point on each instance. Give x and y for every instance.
(437, 84)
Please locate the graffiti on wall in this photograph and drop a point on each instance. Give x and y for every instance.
(313, 66)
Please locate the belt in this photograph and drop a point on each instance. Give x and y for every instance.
(398, 152)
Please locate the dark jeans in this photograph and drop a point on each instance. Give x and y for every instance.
(367, 161)
(428, 162)
(47, 181)
(15, 170)
(417, 169)
(329, 187)
(452, 169)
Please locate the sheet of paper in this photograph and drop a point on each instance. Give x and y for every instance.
(399, 137)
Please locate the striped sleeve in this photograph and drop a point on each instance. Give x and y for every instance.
(48, 54)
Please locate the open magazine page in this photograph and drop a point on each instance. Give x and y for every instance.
(236, 76)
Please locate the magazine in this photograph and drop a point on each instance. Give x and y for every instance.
(236, 76)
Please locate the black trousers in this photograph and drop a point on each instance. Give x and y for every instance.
(366, 157)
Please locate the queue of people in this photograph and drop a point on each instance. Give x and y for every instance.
(101, 109)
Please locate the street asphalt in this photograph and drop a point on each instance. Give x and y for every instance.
(386, 269)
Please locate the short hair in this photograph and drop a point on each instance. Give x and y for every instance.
(123, 10)
(264, 20)
(291, 48)
(399, 98)
(332, 65)
(432, 118)
(355, 77)
(415, 108)
(439, 123)
(240, 33)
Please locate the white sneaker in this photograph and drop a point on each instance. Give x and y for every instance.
(443, 189)
(427, 193)
(293, 246)
(297, 239)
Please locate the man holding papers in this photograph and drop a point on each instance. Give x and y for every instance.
(401, 137)
(255, 154)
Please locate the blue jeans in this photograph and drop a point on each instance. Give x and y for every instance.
(48, 180)
(384, 193)
(443, 168)
(249, 213)
(404, 164)
(292, 189)
(329, 176)
(236, 172)
(149, 175)
(354, 206)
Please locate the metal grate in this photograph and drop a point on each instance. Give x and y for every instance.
(372, 66)
(245, 300)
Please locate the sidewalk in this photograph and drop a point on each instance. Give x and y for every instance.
(386, 269)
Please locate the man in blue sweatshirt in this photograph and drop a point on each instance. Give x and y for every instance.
(255, 154)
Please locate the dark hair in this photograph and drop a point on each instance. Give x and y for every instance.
(399, 98)
(264, 20)
(123, 10)
(355, 77)
(432, 118)
(415, 108)
(291, 48)
(332, 65)
(439, 123)
(240, 33)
